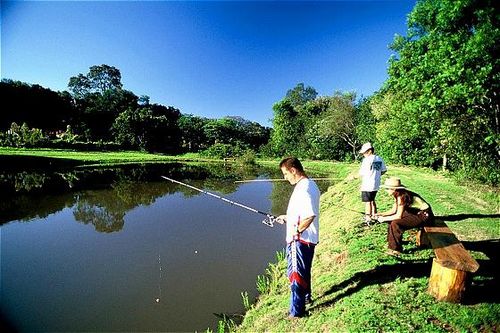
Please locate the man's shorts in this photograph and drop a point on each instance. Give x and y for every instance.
(368, 196)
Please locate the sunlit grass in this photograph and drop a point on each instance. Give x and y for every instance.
(360, 289)
(99, 157)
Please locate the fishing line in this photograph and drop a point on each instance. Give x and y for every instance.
(159, 278)
(351, 210)
(369, 223)
(158, 298)
(269, 220)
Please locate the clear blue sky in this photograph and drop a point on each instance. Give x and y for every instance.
(205, 58)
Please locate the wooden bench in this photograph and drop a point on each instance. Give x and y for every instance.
(452, 264)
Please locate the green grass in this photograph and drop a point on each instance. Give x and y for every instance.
(91, 158)
(360, 289)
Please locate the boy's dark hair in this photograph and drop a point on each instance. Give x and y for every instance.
(292, 162)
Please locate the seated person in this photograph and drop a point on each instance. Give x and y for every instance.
(410, 210)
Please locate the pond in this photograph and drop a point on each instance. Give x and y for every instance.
(121, 249)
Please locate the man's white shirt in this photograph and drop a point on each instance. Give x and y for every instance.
(304, 203)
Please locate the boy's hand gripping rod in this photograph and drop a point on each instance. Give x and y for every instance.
(269, 221)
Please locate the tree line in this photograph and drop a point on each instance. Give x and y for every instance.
(98, 113)
(438, 108)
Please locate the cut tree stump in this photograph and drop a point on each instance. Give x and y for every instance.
(452, 265)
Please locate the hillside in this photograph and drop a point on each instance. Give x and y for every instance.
(358, 288)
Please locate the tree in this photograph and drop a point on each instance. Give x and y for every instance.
(251, 133)
(99, 98)
(224, 130)
(193, 137)
(35, 105)
(365, 121)
(300, 95)
(150, 128)
(444, 84)
(339, 119)
(284, 137)
(96, 112)
(98, 80)
(293, 117)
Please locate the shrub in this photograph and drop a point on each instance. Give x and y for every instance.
(22, 136)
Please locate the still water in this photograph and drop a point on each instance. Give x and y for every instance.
(123, 250)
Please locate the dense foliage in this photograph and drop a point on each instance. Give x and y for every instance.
(98, 113)
(38, 106)
(324, 127)
(440, 106)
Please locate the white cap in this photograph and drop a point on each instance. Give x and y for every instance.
(365, 147)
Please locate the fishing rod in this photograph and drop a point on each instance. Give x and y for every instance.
(269, 220)
(351, 210)
(278, 180)
(370, 222)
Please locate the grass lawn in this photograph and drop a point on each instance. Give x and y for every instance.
(358, 288)
(92, 158)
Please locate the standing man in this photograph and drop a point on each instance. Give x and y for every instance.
(372, 168)
(302, 226)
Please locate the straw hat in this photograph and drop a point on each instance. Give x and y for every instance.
(393, 183)
(365, 147)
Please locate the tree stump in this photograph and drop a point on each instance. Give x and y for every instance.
(452, 265)
(446, 284)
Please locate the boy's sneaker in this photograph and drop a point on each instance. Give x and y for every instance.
(367, 219)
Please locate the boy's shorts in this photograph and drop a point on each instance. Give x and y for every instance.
(368, 196)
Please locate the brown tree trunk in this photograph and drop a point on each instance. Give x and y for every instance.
(446, 284)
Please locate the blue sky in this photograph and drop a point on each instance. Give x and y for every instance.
(210, 59)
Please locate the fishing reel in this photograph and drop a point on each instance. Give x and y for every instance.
(370, 221)
(270, 220)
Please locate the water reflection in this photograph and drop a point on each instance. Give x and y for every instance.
(37, 193)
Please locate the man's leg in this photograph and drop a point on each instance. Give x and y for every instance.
(299, 273)
(308, 263)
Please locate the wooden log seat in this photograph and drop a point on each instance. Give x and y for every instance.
(452, 264)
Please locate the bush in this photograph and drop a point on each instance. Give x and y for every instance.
(22, 136)
(248, 157)
(224, 150)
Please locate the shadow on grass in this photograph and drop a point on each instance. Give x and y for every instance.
(480, 290)
(21, 162)
(379, 275)
(460, 217)
(487, 279)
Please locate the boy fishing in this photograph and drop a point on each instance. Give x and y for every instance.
(371, 170)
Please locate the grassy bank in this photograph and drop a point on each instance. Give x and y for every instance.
(357, 288)
(92, 158)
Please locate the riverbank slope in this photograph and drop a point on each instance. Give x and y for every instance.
(358, 288)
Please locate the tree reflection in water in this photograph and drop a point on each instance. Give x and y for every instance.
(104, 219)
(103, 196)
